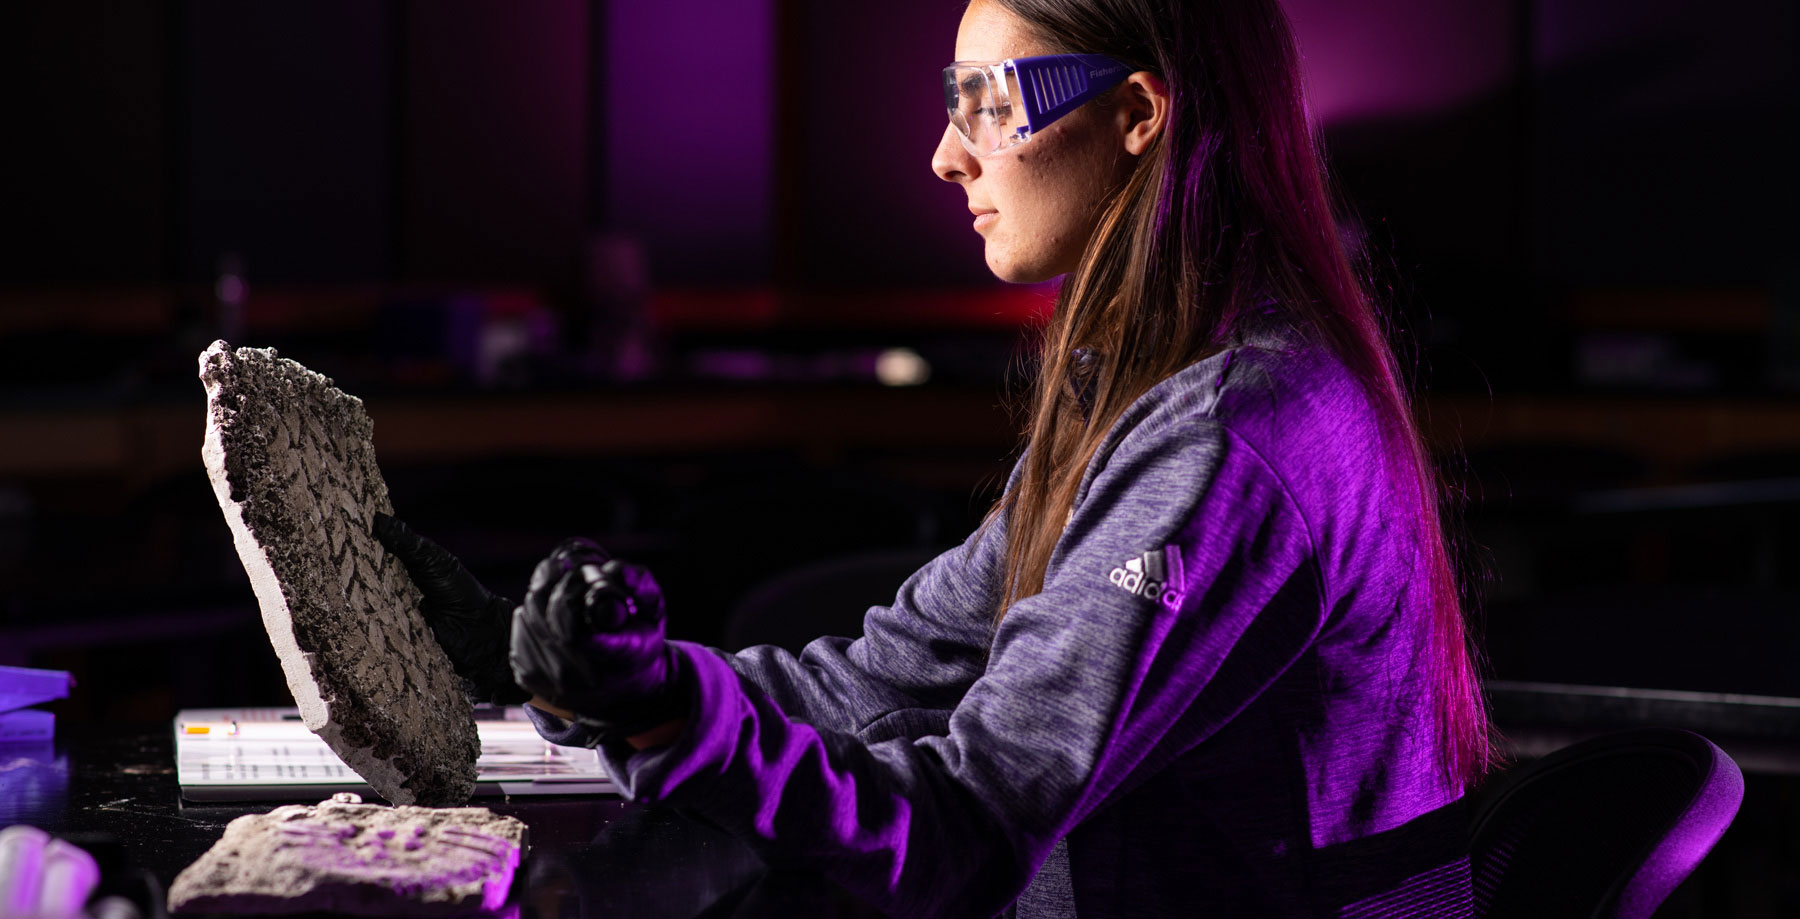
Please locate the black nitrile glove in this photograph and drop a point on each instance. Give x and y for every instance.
(589, 639)
(470, 622)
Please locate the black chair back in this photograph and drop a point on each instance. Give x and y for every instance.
(823, 598)
(1602, 829)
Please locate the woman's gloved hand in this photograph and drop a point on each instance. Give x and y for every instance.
(589, 639)
(470, 622)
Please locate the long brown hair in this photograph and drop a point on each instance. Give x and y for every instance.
(1230, 208)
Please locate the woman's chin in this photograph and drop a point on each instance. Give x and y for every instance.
(1017, 272)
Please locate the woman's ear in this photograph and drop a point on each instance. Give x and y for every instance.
(1142, 110)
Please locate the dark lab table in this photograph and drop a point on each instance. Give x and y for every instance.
(114, 790)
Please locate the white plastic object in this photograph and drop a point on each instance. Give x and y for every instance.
(70, 876)
(42, 877)
(21, 869)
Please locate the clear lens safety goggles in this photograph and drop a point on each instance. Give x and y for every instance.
(999, 105)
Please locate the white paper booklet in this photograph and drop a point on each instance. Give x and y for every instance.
(267, 754)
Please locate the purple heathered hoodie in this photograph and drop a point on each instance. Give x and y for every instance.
(1217, 706)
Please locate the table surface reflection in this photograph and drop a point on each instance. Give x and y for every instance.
(590, 856)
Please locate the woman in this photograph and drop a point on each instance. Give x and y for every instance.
(1205, 656)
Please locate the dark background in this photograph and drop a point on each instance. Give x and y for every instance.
(629, 270)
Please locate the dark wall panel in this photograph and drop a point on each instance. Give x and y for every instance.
(83, 175)
(494, 133)
(286, 139)
(1666, 146)
(690, 135)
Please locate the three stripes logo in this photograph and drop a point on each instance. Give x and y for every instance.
(1155, 575)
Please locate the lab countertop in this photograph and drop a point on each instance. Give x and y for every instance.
(114, 791)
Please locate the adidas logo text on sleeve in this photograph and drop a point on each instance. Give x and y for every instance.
(1155, 575)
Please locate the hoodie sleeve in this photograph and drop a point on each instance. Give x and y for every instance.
(915, 658)
(1184, 584)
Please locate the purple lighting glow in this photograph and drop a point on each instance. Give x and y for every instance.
(1401, 56)
(690, 106)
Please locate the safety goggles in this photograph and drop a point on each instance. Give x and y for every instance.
(999, 105)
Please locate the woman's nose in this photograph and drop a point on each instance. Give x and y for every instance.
(950, 161)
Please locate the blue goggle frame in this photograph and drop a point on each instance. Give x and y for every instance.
(996, 105)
